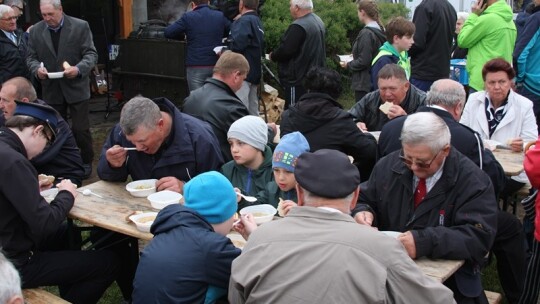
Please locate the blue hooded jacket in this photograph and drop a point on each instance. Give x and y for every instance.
(185, 257)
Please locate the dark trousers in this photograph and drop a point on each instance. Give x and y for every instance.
(126, 248)
(423, 85)
(292, 94)
(80, 126)
(510, 250)
(532, 279)
(81, 276)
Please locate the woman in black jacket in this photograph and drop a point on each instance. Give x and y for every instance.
(365, 48)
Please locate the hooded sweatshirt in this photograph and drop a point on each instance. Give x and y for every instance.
(326, 125)
(488, 36)
(389, 54)
(187, 256)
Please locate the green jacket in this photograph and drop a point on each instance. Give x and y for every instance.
(488, 36)
(271, 195)
(250, 182)
(404, 60)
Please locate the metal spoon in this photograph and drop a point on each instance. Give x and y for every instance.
(250, 199)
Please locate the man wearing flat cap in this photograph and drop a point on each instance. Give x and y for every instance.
(318, 253)
(31, 228)
(441, 201)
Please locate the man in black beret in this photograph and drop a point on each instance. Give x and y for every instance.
(32, 229)
(318, 253)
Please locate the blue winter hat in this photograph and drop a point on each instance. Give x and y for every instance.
(212, 196)
(287, 151)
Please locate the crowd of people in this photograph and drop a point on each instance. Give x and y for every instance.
(428, 175)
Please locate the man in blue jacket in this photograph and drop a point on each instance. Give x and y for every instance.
(205, 28)
(247, 38)
(170, 146)
(527, 60)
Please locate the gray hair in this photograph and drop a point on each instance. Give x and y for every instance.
(10, 282)
(55, 3)
(303, 4)
(425, 128)
(446, 93)
(314, 200)
(139, 111)
(17, 3)
(4, 9)
(462, 15)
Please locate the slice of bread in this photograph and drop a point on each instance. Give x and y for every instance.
(47, 179)
(385, 107)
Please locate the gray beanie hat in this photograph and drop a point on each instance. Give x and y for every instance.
(250, 129)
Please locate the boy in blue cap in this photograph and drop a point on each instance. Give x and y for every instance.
(283, 186)
(190, 253)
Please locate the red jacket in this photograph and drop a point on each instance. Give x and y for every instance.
(532, 168)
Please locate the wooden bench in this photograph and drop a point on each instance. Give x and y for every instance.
(493, 297)
(41, 296)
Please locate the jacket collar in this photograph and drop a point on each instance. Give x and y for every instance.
(12, 140)
(508, 117)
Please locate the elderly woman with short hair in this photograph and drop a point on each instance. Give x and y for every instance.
(500, 114)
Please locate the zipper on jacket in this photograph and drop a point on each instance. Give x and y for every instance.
(248, 182)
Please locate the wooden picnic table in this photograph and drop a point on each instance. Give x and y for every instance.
(110, 213)
(512, 162)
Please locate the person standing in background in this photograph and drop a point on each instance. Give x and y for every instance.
(527, 60)
(365, 48)
(457, 52)
(488, 33)
(301, 47)
(61, 43)
(435, 22)
(204, 29)
(247, 38)
(12, 46)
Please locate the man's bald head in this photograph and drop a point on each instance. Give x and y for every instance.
(448, 94)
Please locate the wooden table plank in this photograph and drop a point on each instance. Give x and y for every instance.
(40, 296)
(110, 212)
(512, 162)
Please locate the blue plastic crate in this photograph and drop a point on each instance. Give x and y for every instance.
(458, 72)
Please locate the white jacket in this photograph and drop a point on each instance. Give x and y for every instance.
(519, 121)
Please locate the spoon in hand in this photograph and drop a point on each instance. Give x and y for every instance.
(250, 199)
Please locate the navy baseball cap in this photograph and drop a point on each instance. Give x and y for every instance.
(41, 112)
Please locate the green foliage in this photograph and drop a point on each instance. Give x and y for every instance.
(389, 10)
(342, 26)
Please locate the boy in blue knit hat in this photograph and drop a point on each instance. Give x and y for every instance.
(283, 187)
(189, 260)
(251, 167)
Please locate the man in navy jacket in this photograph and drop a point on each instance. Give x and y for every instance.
(170, 146)
(205, 28)
(247, 38)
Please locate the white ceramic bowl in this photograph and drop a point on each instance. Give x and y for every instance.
(162, 199)
(261, 213)
(55, 75)
(142, 188)
(49, 194)
(143, 221)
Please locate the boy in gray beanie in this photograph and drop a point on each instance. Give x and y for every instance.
(251, 167)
